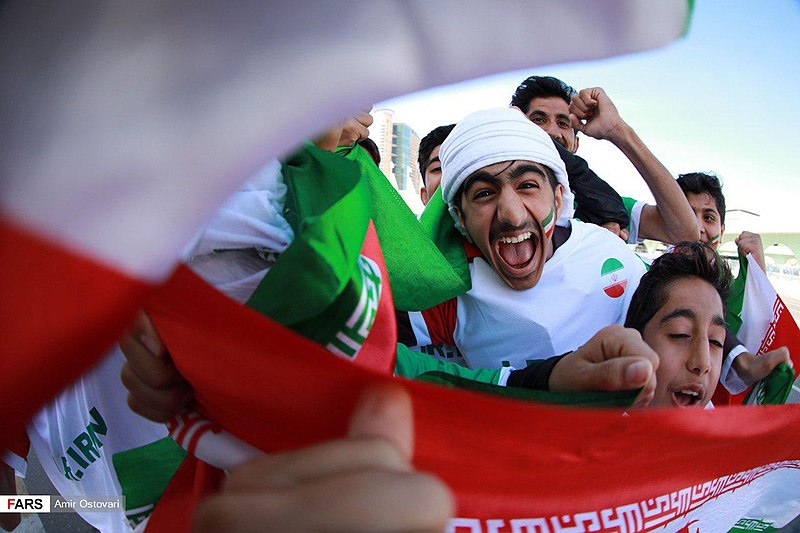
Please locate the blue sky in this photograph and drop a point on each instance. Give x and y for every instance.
(724, 98)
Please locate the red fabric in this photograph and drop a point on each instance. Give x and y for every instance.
(441, 322)
(191, 483)
(378, 351)
(502, 458)
(60, 312)
(18, 443)
(782, 331)
(472, 251)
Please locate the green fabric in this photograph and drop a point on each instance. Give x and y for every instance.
(411, 364)
(773, 389)
(425, 260)
(751, 524)
(629, 203)
(733, 306)
(144, 474)
(317, 282)
(576, 399)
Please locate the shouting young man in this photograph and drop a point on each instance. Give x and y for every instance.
(538, 289)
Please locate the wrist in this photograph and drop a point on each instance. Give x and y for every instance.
(621, 134)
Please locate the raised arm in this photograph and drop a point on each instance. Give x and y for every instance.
(671, 219)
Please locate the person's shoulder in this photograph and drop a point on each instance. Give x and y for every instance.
(598, 239)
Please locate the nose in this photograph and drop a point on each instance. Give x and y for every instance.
(511, 209)
(553, 131)
(699, 363)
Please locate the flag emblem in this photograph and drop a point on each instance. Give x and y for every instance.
(549, 223)
(611, 272)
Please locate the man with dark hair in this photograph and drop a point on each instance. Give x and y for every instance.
(372, 149)
(558, 109)
(679, 310)
(430, 167)
(542, 99)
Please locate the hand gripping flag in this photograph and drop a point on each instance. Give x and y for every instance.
(262, 423)
(511, 465)
(761, 321)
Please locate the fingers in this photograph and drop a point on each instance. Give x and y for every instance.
(774, 358)
(385, 412)
(309, 464)
(364, 118)
(156, 389)
(357, 501)
(155, 372)
(143, 337)
(616, 358)
(154, 403)
(584, 103)
(362, 483)
(613, 227)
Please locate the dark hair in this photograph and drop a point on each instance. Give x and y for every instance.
(541, 87)
(686, 259)
(428, 143)
(372, 149)
(700, 182)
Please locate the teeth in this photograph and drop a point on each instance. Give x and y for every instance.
(691, 393)
(518, 238)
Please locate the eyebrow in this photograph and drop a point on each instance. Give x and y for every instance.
(482, 175)
(688, 313)
(544, 114)
(434, 160)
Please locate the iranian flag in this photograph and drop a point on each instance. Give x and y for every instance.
(549, 223)
(513, 466)
(759, 316)
(613, 285)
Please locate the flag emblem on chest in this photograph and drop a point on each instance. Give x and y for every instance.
(612, 273)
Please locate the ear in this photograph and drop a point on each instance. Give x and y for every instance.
(577, 142)
(460, 216)
(721, 231)
(423, 195)
(558, 192)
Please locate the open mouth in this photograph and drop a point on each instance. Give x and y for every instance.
(517, 251)
(688, 396)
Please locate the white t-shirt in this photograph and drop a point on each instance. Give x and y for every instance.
(586, 285)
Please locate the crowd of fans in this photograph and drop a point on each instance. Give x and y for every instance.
(558, 301)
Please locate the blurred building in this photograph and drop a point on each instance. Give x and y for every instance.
(398, 145)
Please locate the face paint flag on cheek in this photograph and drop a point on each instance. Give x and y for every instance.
(549, 223)
(714, 240)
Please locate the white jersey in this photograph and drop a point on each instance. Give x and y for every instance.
(77, 435)
(634, 208)
(586, 285)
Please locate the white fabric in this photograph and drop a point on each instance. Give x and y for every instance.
(54, 430)
(636, 218)
(498, 326)
(123, 138)
(492, 136)
(728, 376)
(241, 242)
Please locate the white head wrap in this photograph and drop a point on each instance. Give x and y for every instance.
(492, 136)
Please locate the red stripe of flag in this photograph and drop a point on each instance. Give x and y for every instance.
(60, 312)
